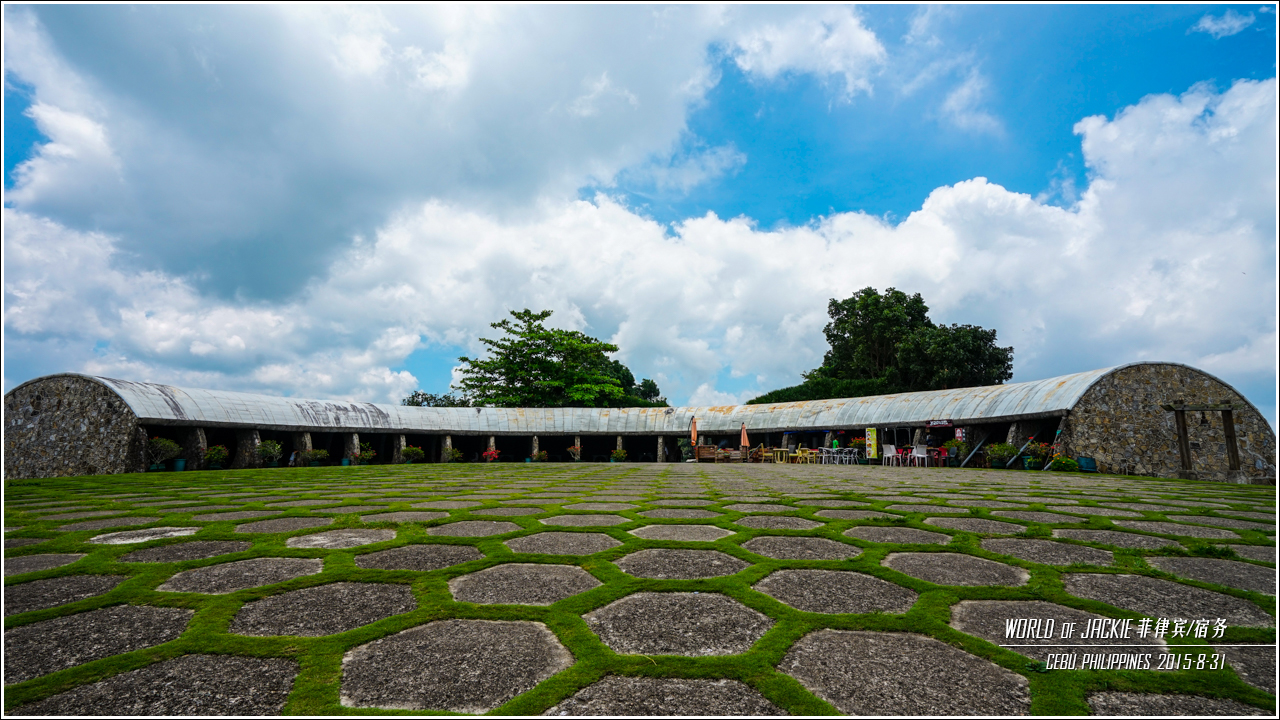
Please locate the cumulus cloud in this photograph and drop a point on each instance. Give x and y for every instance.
(1225, 25)
(827, 42)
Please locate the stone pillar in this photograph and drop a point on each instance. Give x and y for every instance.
(662, 449)
(828, 439)
(446, 449)
(193, 447)
(619, 442)
(534, 445)
(350, 444)
(397, 449)
(246, 450)
(493, 442)
(918, 437)
(301, 444)
(137, 454)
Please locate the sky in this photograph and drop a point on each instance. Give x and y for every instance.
(336, 202)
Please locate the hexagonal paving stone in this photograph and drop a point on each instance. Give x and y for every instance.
(777, 522)
(466, 666)
(1040, 517)
(988, 620)
(984, 503)
(1155, 705)
(288, 524)
(873, 673)
(522, 584)
(205, 685)
(976, 525)
(1225, 522)
(419, 558)
(1127, 540)
(404, 517)
(303, 503)
(22, 542)
(682, 533)
(44, 647)
(341, 539)
(615, 695)
(230, 577)
(473, 528)
(956, 569)
(899, 535)
(1244, 576)
(602, 506)
(832, 503)
(930, 509)
(853, 514)
(445, 504)
(104, 524)
(691, 502)
(1048, 552)
(179, 552)
(667, 564)
(678, 514)
(126, 537)
(1104, 512)
(1261, 553)
(584, 520)
(323, 610)
(241, 515)
(1255, 665)
(836, 591)
(692, 624)
(82, 515)
(562, 543)
(1165, 599)
(801, 548)
(760, 508)
(52, 592)
(1165, 528)
(36, 563)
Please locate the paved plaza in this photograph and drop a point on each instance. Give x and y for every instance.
(627, 589)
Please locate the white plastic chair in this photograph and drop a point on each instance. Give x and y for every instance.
(920, 456)
(891, 456)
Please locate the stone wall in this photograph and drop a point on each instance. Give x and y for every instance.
(1119, 422)
(65, 425)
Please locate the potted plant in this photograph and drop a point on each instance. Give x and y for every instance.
(491, 455)
(575, 452)
(1035, 454)
(412, 454)
(540, 456)
(313, 458)
(998, 454)
(161, 450)
(452, 455)
(618, 455)
(215, 456)
(365, 456)
(269, 452)
(962, 449)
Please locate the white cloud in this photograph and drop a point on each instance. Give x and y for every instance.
(963, 106)
(827, 42)
(1225, 25)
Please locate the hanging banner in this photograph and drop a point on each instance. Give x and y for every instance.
(938, 423)
(873, 447)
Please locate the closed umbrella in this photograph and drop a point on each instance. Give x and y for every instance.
(745, 442)
(693, 424)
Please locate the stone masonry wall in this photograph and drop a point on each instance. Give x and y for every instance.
(1120, 423)
(66, 425)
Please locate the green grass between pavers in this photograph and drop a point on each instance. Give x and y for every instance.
(316, 690)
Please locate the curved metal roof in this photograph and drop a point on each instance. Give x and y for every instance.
(168, 405)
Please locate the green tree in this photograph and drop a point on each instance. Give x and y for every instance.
(865, 331)
(648, 390)
(537, 366)
(955, 356)
(425, 399)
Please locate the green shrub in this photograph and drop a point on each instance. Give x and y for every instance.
(216, 455)
(453, 455)
(366, 454)
(413, 454)
(963, 446)
(160, 449)
(540, 456)
(1064, 464)
(269, 451)
(998, 454)
(310, 456)
(618, 455)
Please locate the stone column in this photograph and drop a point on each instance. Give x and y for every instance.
(350, 444)
(619, 442)
(446, 449)
(301, 444)
(193, 447)
(246, 450)
(397, 449)
(137, 455)
(493, 442)
(662, 449)
(827, 439)
(534, 451)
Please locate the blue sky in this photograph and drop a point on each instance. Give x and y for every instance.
(336, 202)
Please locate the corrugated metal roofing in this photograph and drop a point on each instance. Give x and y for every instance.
(168, 405)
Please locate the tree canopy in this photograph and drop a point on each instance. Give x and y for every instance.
(885, 342)
(537, 366)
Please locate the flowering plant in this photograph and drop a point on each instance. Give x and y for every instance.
(216, 455)
(1037, 451)
(575, 452)
(1062, 463)
(453, 455)
(540, 456)
(412, 454)
(367, 452)
(618, 455)
(858, 442)
(491, 455)
(269, 451)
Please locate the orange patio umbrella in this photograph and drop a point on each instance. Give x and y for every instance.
(693, 424)
(745, 442)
